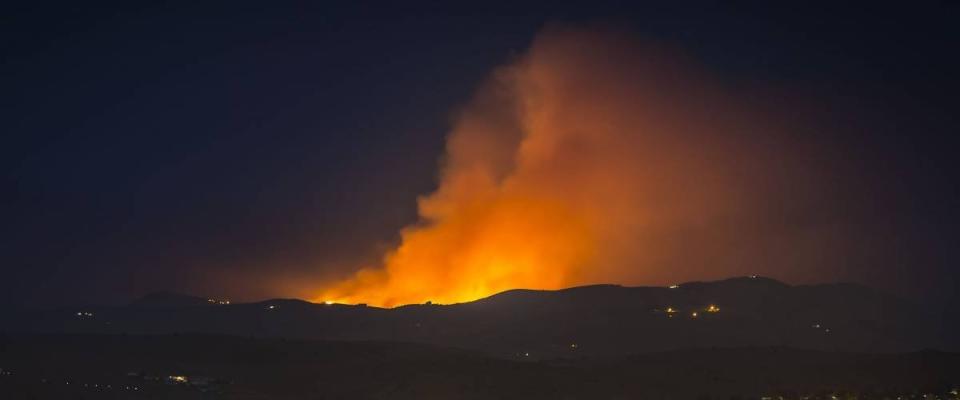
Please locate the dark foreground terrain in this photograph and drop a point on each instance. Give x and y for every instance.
(229, 367)
(589, 321)
(747, 337)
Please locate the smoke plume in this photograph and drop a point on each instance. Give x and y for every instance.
(597, 157)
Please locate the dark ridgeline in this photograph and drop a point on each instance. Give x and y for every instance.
(159, 300)
(751, 337)
(601, 320)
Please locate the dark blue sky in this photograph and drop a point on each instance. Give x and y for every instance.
(209, 148)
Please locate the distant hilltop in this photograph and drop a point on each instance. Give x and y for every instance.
(586, 321)
(173, 299)
(168, 299)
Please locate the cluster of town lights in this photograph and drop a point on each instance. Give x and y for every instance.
(712, 308)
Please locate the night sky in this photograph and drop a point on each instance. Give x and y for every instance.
(246, 150)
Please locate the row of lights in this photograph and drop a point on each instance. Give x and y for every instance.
(89, 385)
(694, 314)
(98, 386)
(952, 394)
(573, 346)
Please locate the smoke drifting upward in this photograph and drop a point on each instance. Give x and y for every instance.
(596, 157)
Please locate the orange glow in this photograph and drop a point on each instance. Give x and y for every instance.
(591, 159)
(499, 245)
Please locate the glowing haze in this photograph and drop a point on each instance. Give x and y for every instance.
(596, 157)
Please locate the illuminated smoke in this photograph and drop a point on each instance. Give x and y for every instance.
(595, 157)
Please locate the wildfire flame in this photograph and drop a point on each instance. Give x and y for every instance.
(579, 162)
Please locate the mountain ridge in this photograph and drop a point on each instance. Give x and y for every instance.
(584, 321)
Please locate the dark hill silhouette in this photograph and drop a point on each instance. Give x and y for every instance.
(169, 300)
(599, 320)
